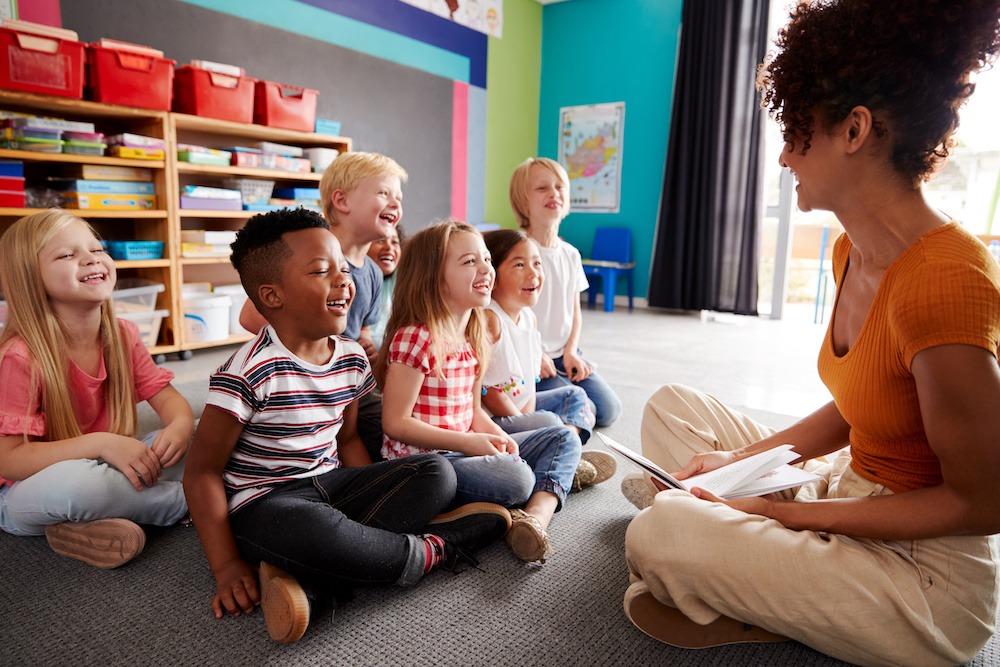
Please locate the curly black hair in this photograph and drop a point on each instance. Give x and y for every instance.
(259, 252)
(907, 61)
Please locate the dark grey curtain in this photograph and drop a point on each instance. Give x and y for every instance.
(706, 243)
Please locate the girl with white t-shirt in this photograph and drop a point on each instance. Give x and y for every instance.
(539, 195)
(509, 393)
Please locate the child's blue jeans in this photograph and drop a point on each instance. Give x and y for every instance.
(607, 405)
(89, 489)
(563, 405)
(546, 461)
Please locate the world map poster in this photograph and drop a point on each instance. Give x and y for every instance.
(590, 148)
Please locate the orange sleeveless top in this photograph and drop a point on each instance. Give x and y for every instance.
(943, 290)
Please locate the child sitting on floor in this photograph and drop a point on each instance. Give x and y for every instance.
(72, 375)
(432, 364)
(385, 253)
(273, 476)
(539, 195)
(509, 383)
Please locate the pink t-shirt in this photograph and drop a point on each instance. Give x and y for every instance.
(444, 400)
(21, 401)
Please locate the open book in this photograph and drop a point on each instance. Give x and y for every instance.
(755, 475)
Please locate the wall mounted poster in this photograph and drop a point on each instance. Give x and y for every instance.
(590, 147)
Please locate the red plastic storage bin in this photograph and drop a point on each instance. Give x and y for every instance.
(40, 64)
(288, 107)
(130, 78)
(213, 95)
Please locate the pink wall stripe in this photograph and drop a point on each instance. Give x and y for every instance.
(459, 149)
(40, 11)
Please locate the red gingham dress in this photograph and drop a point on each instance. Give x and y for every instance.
(445, 402)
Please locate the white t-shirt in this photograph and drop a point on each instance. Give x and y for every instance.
(560, 295)
(516, 357)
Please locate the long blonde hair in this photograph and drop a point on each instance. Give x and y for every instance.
(419, 298)
(30, 317)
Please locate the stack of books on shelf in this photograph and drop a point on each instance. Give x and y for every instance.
(205, 198)
(11, 183)
(203, 155)
(106, 187)
(137, 147)
(202, 243)
(268, 155)
(298, 197)
(25, 132)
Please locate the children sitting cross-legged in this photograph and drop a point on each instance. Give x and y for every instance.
(509, 383)
(72, 373)
(272, 475)
(432, 361)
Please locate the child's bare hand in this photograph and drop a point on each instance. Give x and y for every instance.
(133, 459)
(490, 444)
(170, 445)
(577, 370)
(236, 589)
(548, 369)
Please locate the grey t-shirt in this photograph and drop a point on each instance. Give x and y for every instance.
(364, 310)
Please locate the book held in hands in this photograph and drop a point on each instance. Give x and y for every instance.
(757, 475)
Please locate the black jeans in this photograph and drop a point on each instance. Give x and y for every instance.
(370, 423)
(348, 527)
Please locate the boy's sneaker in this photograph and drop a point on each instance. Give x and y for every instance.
(594, 467)
(104, 543)
(284, 603)
(468, 529)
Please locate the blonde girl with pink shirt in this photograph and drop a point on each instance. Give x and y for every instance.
(70, 468)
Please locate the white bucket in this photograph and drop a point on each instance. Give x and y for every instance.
(206, 318)
(239, 297)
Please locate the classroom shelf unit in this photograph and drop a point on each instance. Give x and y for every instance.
(167, 221)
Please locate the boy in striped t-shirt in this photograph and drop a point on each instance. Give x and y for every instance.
(275, 474)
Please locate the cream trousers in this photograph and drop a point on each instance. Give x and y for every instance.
(870, 602)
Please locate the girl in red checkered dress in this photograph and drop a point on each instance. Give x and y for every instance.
(435, 350)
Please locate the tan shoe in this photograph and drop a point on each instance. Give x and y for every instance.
(638, 490)
(104, 543)
(527, 539)
(284, 603)
(603, 463)
(670, 626)
(585, 475)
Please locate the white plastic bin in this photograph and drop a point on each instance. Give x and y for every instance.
(206, 318)
(135, 295)
(239, 297)
(148, 322)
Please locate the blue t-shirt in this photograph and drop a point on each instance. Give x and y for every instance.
(364, 310)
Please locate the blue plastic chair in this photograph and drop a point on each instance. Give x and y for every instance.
(612, 257)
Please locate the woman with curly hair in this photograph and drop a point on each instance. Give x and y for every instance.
(887, 559)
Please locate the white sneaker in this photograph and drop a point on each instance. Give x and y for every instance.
(638, 491)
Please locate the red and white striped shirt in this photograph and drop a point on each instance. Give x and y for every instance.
(444, 400)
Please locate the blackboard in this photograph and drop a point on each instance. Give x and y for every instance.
(385, 107)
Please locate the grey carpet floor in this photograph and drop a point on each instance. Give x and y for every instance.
(155, 610)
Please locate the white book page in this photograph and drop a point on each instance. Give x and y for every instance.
(782, 477)
(729, 478)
